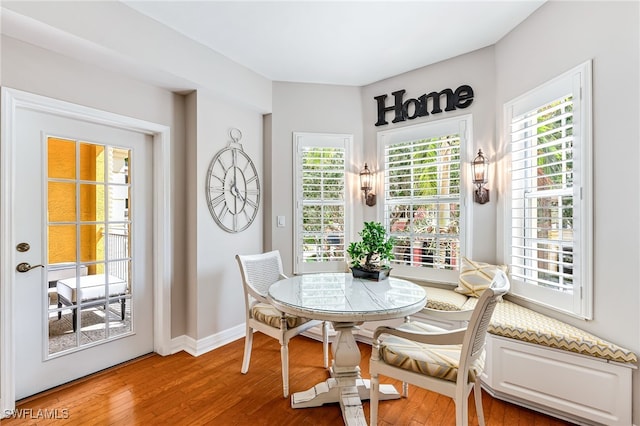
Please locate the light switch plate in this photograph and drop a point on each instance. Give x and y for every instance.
(281, 222)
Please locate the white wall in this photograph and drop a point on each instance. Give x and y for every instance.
(111, 35)
(475, 69)
(305, 108)
(217, 288)
(554, 39)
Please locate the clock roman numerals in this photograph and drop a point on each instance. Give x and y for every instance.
(233, 189)
(252, 204)
(214, 203)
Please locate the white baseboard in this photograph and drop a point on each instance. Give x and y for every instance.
(201, 346)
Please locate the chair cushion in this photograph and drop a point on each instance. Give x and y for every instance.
(444, 299)
(476, 277)
(269, 315)
(440, 361)
(520, 323)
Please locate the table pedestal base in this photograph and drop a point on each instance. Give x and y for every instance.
(349, 397)
(345, 385)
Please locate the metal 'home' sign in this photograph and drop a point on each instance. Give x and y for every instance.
(412, 108)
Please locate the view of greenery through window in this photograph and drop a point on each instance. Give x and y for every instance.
(323, 204)
(543, 199)
(422, 201)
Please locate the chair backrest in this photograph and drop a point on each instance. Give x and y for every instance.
(259, 271)
(476, 334)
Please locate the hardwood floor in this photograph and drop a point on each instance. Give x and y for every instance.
(210, 390)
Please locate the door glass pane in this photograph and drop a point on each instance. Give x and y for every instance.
(118, 242)
(89, 285)
(119, 295)
(91, 243)
(91, 162)
(62, 244)
(92, 325)
(62, 337)
(91, 202)
(61, 158)
(119, 323)
(118, 165)
(118, 202)
(61, 202)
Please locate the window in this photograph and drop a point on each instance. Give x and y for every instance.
(549, 225)
(89, 244)
(423, 202)
(320, 179)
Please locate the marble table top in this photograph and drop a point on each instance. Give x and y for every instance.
(339, 297)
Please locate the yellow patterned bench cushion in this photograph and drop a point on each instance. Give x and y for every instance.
(269, 315)
(439, 361)
(444, 300)
(520, 323)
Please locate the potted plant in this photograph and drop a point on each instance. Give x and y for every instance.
(370, 257)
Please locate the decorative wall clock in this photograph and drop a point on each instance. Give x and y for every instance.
(233, 187)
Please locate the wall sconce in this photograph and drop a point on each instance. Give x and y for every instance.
(479, 168)
(366, 185)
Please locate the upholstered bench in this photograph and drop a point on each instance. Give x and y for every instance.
(545, 364)
(92, 292)
(513, 321)
(517, 322)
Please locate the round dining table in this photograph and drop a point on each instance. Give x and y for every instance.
(346, 302)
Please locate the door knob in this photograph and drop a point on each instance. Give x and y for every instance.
(25, 267)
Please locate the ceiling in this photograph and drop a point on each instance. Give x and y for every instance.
(339, 42)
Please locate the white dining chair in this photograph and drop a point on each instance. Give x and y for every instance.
(448, 362)
(258, 272)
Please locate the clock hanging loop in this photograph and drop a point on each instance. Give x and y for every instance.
(235, 135)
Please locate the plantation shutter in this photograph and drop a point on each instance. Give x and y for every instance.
(542, 200)
(549, 226)
(422, 187)
(320, 202)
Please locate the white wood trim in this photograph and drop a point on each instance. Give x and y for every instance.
(7, 257)
(11, 99)
(201, 346)
(162, 219)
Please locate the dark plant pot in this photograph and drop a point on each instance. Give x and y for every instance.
(366, 274)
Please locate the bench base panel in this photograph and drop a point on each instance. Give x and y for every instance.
(574, 387)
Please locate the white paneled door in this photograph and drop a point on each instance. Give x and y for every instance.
(83, 226)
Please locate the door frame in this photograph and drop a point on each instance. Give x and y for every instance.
(11, 100)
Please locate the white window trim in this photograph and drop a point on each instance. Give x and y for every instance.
(462, 124)
(328, 140)
(580, 304)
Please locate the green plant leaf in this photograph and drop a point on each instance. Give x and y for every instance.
(375, 249)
